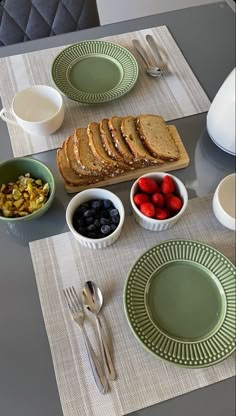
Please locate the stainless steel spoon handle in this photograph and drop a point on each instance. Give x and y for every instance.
(106, 356)
(98, 373)
(154, 47)
(141, 51)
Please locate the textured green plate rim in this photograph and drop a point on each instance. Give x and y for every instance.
(197, 354)
(116, 52)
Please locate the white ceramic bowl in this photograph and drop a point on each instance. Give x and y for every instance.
(151, 223)
(224, 202)
(87, 195)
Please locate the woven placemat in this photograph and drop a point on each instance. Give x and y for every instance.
(142, 379)
(175, 96)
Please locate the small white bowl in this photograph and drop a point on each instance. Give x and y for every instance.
(87, 195)
(224, 202)
(152, 223)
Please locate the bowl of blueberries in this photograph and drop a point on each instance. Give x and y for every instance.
(95, 217)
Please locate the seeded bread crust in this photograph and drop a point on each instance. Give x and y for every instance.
(108, 143)
(85, 155)
(69, 176)
(156, 137)
(114, 124)
(133, 140)
(99, 152)
(71, 157)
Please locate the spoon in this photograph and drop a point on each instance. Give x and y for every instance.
(93, 300)
(152, 70)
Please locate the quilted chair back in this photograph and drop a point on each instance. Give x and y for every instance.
(23, 20)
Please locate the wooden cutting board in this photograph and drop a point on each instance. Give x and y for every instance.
(183, 162)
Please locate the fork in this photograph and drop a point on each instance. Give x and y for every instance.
(78, 316)
(161, 64)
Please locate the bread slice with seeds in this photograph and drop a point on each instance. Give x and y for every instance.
(69, 176)
(135, 144)
(108, 143)
(72, 159)
(156, 137)
(100, 153)
(114, 124)
(85, 155)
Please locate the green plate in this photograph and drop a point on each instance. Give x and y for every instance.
(94, 71)
(180, 299)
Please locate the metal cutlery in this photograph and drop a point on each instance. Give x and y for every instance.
(153, 45)
(78, 316)
(93, 300)
(152, 70)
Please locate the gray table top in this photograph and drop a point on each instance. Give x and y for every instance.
(205, 34)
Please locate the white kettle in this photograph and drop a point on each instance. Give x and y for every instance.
(221, 116)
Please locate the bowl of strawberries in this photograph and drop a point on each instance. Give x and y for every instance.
(158, 200)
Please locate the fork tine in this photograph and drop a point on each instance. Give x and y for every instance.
(76, 298)
(72, 299)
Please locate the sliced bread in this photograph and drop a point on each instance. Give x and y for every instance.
(72, 159)
(156, 137)
(114, 124)
(100, 153)
(133, 140)
(68, 174)
(108, 143)
(85, 155)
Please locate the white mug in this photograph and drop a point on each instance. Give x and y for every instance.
(39, 110)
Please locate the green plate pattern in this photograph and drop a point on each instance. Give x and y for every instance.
(179, 300)
(94, 71)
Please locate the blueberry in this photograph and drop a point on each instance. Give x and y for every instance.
(104, 213)
(113, 212)
(107, 203)
(89, 220)
(96, 204)
(105, 229)
(89, 213)
(91, 227)
(104, 221)
(113, 227)
(78, 221)
(97, 223)
(81, 230)
(115, 219)
(82, 208)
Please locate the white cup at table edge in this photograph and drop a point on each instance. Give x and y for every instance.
(224, 201)
(38, 110)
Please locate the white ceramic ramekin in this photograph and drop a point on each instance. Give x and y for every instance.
(87, 195)
(224, 202)
(151, 223)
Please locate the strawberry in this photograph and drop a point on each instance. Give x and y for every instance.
(148, 185)
(174, 203)
(158, 199)
(162, 214)
(148, 209)
(141, 198)
(167, 185)
(168, 195)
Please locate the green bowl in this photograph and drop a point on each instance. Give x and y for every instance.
(11, 169)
